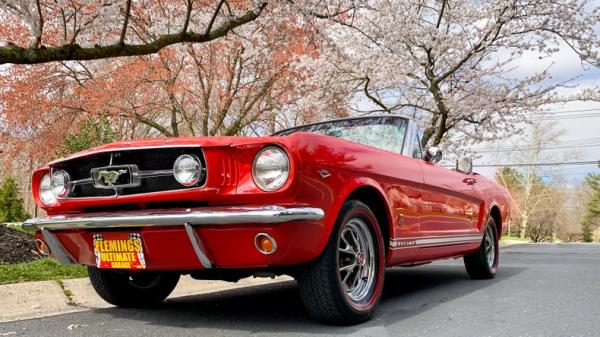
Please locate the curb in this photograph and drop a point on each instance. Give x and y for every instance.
(506, 243)
(28, 300)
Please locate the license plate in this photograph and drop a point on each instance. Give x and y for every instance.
(120, 250)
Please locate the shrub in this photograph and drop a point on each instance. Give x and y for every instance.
(11, 206)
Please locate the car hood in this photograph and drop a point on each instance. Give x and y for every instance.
(173, 142)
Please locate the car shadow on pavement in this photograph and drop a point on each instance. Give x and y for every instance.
(278, 307)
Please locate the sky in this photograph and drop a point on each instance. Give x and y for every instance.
(579, 121)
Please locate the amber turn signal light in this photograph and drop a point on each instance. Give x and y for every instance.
(42, 247)
(265, 243)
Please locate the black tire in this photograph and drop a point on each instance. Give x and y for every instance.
(320, 283)
(132, 290)
(478, 265)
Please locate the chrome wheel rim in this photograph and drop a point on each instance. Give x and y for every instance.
(356, 260)
(490, 247)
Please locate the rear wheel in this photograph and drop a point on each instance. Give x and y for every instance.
(483, 264)
(132, 290)
(344, 284)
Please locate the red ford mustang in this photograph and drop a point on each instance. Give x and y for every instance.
(331, 204)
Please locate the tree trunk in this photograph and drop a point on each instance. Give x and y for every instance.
(439, 122)
(524, 224)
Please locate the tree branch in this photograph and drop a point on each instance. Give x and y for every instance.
(490, 36)
(214, 17)
(19, 55)
(373, 98)
(38, 39)
(125, 23)
(188, 14)
(441, 16)
(151, 124)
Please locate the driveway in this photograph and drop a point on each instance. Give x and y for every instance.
(541, 290)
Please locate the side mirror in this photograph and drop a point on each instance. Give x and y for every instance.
(433, 155)
(464, 165)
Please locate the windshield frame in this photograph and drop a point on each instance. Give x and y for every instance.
(394, 119)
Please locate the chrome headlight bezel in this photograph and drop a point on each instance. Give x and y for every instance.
(195, 169)
(283, 165)
(60, 183)
(45, 194)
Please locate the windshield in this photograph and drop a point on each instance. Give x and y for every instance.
(386, 133)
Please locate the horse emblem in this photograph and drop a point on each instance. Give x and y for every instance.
(110, 177)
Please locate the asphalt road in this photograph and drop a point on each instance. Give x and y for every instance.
(541, 290)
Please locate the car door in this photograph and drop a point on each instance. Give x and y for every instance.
(450, 202)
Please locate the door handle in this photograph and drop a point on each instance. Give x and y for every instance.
(470, 181)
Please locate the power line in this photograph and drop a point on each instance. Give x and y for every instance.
(594, 115)
(589, 162)
(567, 111)
(576, 140)
(544, 149)
(581, 142)
(568, 174)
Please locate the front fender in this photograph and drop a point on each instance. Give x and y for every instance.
(342, 195)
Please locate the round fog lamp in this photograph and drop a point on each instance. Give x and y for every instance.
(187, 170)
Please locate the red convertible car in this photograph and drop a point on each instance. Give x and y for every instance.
(332, 204)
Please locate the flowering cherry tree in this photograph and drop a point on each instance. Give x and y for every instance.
(257, 80)
(449, 63)
(216, 67)
(38, 31)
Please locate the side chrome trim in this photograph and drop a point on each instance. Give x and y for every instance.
(204, 216)
(56, 248)
(198, 245)
(434, 241)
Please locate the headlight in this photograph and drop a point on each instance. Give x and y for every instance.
(187, 170)
(271, 168)
(60, 183)
(45, 192)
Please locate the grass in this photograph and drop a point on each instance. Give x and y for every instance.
(68, 293)
(39, 270)
(17, 226)
(514, 238)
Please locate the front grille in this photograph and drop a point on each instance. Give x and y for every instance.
(154, 168)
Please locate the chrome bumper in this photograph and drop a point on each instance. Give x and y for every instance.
(193, 217)
(188, 218)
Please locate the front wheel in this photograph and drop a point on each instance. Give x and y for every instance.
(132, 290)
(483, 264)
(344, 284)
